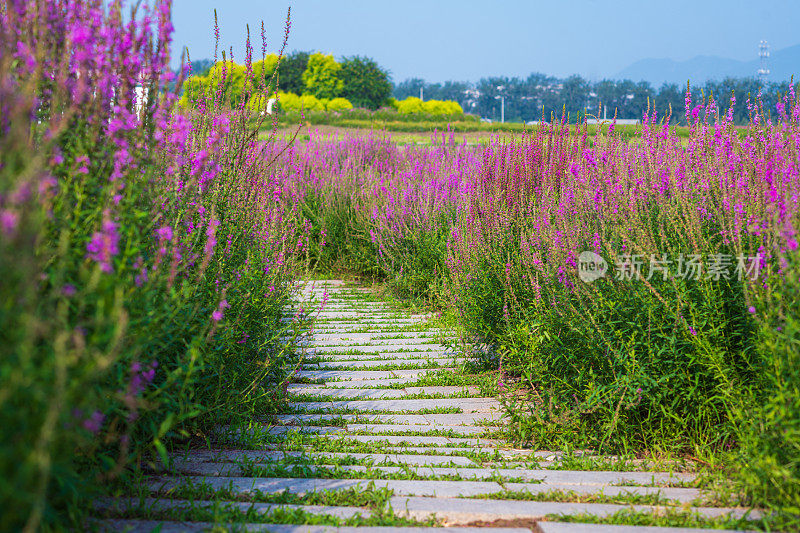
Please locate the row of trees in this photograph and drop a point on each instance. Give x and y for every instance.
(530, 98)
(360, 80)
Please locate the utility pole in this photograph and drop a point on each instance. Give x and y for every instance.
(763, 54)
(420, 92)
(502, 104)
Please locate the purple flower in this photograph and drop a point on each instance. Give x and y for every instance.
(8, 221)
(751, 310)
(68, 290)
(94, 422)
(216, 316)
(165, 233)
(104, 245)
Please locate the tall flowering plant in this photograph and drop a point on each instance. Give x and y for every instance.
(144, 254)
(657, 351)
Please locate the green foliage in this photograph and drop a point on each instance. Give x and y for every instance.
(338, 104)
(225, 80)
(340, 240)
(145, 279)
(321, 77)
(414, 106)
(622, 366)
(312, 103)
(308, 103)
(263, 71)
(438, 107)
(289, 101)
(195, 88)
(409, 106)
(365, 83)
(290, 72)
(770, 415)
(228, 79)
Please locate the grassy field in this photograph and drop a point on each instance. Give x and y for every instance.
(429, 133)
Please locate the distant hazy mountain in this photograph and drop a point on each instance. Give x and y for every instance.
(782, 64)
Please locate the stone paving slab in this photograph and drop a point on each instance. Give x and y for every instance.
(442, 450)
(371, 363)
(375, 337)
(350, 325)
(345, 374)
(590, 481)
(316, 430)
(365, 383)
(390, 418)
(148, 526)
(669, 493)
(380, 348)
(368, 375)
(541, 481)
(249, 485)
(156, 504)
(265, 457)
(442, 389)
(419, 372)
(352, 321)
(355, 313)
(464, 510)
(393, 329)
(354, 393)
(456, 419)
(388, 357)
(467, 405)
(417, 344)
(350, 393)
(572, 527)
(409, 428)
(412, 440)
(466, 419)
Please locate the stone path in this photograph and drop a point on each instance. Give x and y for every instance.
(387, 432)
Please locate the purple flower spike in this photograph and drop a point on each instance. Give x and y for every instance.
(94, 422)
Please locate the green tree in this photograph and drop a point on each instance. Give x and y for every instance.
(321, 77)
(263, 70)
(574, 95)
(365, 83)
(290, 72)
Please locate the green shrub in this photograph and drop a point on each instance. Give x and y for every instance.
(145, 269)
(289, 101)
(769, 416)
(321, 77)
(413, 105)
(409, 106)
(364, 83)
(290, 72)
(312, 103)
(338, 104)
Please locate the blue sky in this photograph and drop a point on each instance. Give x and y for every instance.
(465, 40)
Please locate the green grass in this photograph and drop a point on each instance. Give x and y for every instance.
(576, 497)
(664, 518)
